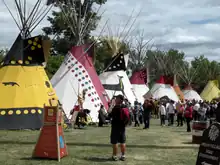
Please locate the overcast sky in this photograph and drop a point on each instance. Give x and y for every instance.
(192, 26)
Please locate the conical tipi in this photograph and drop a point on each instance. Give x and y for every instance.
(191, 94)
(164, 85)
(211, 91)
(188, 74)
(138, 81)
(77, 73)
(115, 79)
(140, 66)
(24, 85)
(161, 89)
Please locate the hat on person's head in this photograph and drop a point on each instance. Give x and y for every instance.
(121, 97)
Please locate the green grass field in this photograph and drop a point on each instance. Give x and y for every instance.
(90, 146)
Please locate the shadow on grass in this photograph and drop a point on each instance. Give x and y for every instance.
(189, 142)
(37, 159)
(107, 145)
(181, 131)
(97, 159)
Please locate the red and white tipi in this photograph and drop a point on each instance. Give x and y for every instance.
(161, 89)
(139, 83)
(76, 74)
(190, 94)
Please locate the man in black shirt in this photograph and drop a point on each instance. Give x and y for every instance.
(118, 129)
(148, 108)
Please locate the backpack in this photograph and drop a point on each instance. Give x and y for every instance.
(125, 117)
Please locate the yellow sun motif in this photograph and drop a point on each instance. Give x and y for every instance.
(39, 111)
(36, 39)
(25, 112)
(3, 112)
(34, 43)
(10, 112)
(32, 47)
(20, 61)
(18, 112)
(29, 42)
(33, 111)
(29, 58)
(13, 62)
(39, 46)
(27, 62)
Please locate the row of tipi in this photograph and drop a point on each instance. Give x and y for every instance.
(25, 87)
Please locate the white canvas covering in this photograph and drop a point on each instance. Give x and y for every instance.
(160, 90)
(140, 90)
(69, 87)
(112, 78)
(191, 94)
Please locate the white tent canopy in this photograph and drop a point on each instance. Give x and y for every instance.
(160, 90)
(190, 94)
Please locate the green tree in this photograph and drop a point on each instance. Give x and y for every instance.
(164, 63)
(138, 53)
(207, 70)
(53, 65)
(62, 30)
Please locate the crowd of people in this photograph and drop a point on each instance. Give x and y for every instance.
(169, 113)
(179, 113)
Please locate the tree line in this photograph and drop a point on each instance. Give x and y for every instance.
(172, 62)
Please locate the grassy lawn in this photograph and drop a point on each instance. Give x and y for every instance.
(156, 146)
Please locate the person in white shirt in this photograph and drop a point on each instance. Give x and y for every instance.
(171, 112)
(162, 111)
(196, 108)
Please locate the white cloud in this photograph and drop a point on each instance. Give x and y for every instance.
(9, 29)
(191, 26)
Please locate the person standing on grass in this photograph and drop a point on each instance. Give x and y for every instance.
(102, 116)
(148, 108)
(171, 112)
(136, 114)
(162, 111)
(188, 115)
(120, 118)
(196, 108)
(141, 113)
(180, 110)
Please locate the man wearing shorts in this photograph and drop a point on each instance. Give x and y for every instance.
(118, 129)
